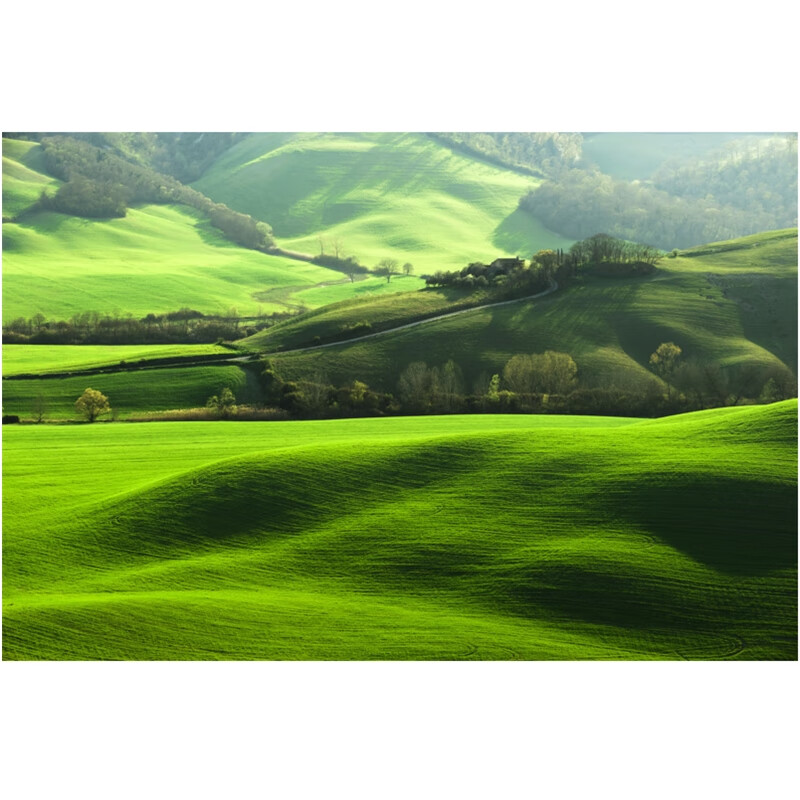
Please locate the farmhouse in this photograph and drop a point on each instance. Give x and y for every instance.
(506, 264)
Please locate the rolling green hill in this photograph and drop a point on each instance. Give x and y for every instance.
(404, 196)
(732, 303)
(486, 537)
(23, 176)
(154, 260)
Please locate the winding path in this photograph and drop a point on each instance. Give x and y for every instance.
(553, 287)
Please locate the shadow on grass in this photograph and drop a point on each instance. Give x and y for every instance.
(741, 527)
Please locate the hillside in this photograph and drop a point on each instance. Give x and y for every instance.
(154, 260)
(24, 177)
(544, 538)
(157, 258)
(733, 303)
(380, 195)
(636, 156)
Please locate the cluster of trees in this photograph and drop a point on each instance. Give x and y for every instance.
(754, 175)
(510, 277)
(185, 156)
(547, 382)
(348, 265)
(706, 384)
(98, 183)
(582, 202)
(534, 153)
(316, 396)
(387, 267)
(185, 326)
(608, 255)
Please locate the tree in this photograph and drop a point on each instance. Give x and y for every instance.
(414, 385)
(387, 267)
(91, 404)
(664, 361)
(408, 269)
(39, 407)
(541, 373)
(224, 403)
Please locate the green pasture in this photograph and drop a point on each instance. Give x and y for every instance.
(381, 311)
(369, 286)
(29, 359)
(133, 392)
(23, 180)
(482, 537)
(156, 259)
(732, 307)
(380, 195)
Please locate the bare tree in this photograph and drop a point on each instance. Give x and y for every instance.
(387, 267)
(39, 407)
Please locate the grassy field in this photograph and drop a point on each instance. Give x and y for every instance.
(136, 392)
(23, 180)
(156, 259)
(381, 195)
(483, 537)
(733, 303)
(383, 311)
(22, 359)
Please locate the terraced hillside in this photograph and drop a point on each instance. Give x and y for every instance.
(729, 302)
(380, 195)
(408, 538)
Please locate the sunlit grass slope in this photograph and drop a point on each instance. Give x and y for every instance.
(136, 392)
(409, 538)
(381, 195)
(23, 182)
(156, 259)
(733, 302)
(19, 359)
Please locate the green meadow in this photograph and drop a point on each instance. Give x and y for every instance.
(23, 179)
(36, 359)
(133, 392)
(154, 260)
(732, 302)
(480, 537)
(380, 195)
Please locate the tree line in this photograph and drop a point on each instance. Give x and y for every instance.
(513, 277)
(546, 382)
(100, 184)
(536, 154)
(754, 175)
(549, 382)
(582, 202)
(184, 326)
